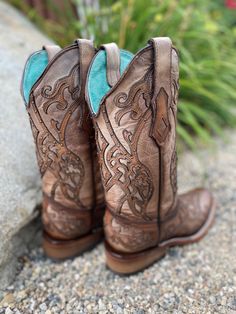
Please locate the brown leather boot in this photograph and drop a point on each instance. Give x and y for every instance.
(53, 88)
(136, 139)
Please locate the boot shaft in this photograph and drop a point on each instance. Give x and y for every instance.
(64, 140)
(136, 139)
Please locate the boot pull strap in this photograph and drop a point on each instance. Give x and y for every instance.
(162, 95)
(86, 53)
(52, 50)
(113, 63)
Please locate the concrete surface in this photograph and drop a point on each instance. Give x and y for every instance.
(19, 177)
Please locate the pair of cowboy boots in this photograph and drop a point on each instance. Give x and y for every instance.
(133, 181)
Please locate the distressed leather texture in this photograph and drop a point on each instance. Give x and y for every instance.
(65, 145)
(136, 141)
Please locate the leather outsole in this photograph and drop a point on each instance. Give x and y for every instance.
(131, 263)
(63, 249)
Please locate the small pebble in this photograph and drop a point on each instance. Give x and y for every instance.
(43, 307)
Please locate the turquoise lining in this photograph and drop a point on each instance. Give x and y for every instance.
(34, 67)
(98, 86)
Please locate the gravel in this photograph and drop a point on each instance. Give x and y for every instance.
(197, 278)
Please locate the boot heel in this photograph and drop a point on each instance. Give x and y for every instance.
(62, 249)
(130, 263)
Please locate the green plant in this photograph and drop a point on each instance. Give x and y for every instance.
(203, 32)
(207, 54)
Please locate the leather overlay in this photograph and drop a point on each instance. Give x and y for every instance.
(64, 139)
(164, 102)
(161, 98)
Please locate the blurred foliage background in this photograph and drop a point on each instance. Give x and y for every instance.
(204, 31)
